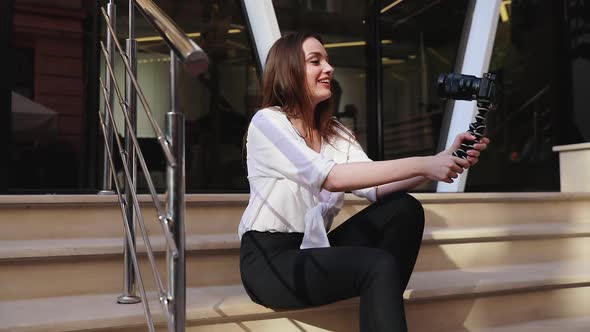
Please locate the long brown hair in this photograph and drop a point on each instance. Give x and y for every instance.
(284, 85)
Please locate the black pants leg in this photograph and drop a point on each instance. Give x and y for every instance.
(395, 224)
(372, 256)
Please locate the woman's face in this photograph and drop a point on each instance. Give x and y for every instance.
(318, 71)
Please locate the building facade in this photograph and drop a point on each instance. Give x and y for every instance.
(387, 56)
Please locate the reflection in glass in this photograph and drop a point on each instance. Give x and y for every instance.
(218, 104)
(523, 129)
(424, 39)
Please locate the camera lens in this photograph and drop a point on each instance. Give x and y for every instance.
(458, 86)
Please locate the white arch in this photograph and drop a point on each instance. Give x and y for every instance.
(264, 25)
(476, 61)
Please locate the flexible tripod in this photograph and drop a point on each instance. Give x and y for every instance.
(476, 128)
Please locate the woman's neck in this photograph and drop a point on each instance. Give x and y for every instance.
(312, 141)
(300, 125)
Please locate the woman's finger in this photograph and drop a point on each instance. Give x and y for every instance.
(480, 146)
(473, 153)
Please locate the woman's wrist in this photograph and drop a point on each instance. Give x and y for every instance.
(422, 163)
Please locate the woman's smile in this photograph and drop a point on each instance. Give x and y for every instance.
(318, 71)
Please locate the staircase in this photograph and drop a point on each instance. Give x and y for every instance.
(489, 263)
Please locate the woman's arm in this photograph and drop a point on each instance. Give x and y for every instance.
(405, 185)
(358, 175)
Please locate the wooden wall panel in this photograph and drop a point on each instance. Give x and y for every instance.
(46, 25)
(68, 105)
(59, 47)
(58, 86)
(55, 30)
(70, 4)
(70, 124)
(59, 66)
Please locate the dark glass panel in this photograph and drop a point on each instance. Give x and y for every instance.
(218, 104)
(420, 39)
(532, 108)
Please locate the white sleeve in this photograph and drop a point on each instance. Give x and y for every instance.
(273, 151)
(356, 154)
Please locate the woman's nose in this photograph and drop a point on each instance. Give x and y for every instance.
(328, 69)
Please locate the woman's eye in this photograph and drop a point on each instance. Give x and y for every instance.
(315, 61)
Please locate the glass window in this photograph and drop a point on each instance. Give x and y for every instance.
(420, 39)
(533, 110)
(342, 27)
(47, 146)
(218, 104)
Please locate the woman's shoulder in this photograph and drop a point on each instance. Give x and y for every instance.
(269, 112)
(270, 116)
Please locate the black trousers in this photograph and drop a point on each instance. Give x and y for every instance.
(372, 255)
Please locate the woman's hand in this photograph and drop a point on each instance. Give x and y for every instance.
(443, 167)
(472, 155)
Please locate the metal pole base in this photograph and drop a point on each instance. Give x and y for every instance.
(128, 299)
(106, 192)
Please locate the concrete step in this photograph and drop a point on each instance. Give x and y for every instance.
(75, 216)
(53, 248)
(433, 235)
(471, 209)
(437, 301)
(467, 247)
(95, 265)
(578, 324)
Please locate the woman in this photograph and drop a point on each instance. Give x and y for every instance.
(300, 162)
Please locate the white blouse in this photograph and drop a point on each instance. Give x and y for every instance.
(286, 178)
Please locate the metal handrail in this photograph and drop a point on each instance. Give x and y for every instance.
(135, 203)
(172, 143)
(164, 221)
(141, 95)
(185, 48)
(122, 205)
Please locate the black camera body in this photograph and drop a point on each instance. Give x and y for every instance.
(467, 87)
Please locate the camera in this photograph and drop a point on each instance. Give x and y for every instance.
(467, 87)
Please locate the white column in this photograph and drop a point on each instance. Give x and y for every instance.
(476, 61)
(264, 25)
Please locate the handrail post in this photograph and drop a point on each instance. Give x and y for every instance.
(107, 179)
(129, 291)
(175, 181)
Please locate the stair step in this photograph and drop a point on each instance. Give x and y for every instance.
(42, 248)
(440, 235)
(577, 324)
(461, 255)
(106, 246)
(95, 265)
(230, 304)
(497, 279)
(71, 216)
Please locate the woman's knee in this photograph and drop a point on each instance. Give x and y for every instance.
(411, 207)
(415, 210)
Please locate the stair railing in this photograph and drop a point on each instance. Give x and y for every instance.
(171, 219)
